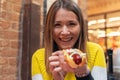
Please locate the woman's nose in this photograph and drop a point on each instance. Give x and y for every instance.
(65, 30)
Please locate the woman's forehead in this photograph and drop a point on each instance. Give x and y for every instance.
(63, 13)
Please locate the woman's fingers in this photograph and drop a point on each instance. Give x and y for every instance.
(58, 69)
(58, 62)
(55, 66)
(53, 58)
(61, 58)
(54, 63)
(57, 53)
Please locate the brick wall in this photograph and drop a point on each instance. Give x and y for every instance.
(9, 38)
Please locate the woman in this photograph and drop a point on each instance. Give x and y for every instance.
(65, 29)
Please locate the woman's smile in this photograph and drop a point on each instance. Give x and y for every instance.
(66, 39)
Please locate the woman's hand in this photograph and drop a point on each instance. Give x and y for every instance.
(55, 65)
(58, 65)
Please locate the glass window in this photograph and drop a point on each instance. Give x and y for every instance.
(105, 30)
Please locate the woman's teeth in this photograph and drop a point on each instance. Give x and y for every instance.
(66, 39)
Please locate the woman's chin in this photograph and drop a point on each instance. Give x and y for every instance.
(66, 47)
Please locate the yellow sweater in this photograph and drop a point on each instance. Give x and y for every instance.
(96, 63)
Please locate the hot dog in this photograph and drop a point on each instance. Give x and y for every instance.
(75, 57)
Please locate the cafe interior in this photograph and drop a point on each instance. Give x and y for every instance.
(104, 28)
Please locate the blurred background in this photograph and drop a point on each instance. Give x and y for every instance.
(21, 33)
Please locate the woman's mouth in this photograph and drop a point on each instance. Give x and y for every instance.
(66, 39)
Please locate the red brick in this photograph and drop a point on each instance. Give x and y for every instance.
(12, 69)
(15, 26)
(12, 77)
(9, 53)
(12, 16)
(4, 69)
(0, 72)
(4, 25)
(4, 5)
(5, 43)
(18, 2)
(15, 17)
(3, 60)
(8, 77)
(9, 70)
(14, 44)
(0, 43)
(5, 77)
(9, 7)
(17, 8)
(12, 61)
(4, 15)
(9, 35)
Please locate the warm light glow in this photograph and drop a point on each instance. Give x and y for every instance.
(101, 20)
(114, 34)
(92, 22)
(109, 34)
(90, 31)
(114, 19)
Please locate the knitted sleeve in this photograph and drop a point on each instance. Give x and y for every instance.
(99, 70)
(35, 68)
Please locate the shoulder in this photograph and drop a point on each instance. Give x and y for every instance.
(39, 54)
(92, 45)
(94, 48)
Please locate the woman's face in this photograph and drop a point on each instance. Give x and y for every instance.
(66, 29)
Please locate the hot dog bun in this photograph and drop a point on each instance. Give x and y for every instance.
(75, 57)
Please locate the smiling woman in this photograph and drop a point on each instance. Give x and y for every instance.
(65, 29)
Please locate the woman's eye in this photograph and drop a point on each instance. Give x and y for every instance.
(57, 25)
(72, 24)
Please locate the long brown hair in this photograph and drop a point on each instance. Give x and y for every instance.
(49, 44)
